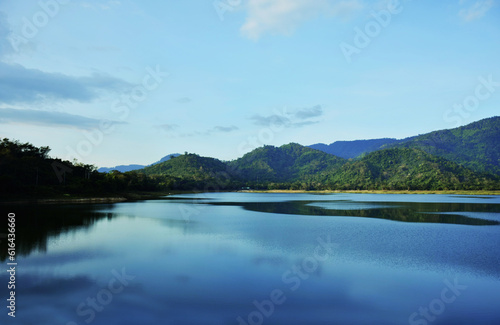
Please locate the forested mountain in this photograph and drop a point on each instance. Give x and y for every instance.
(293, 166)
(476, 145)
(407, 169)
(353, 149)
(287, 163)
(120, 168)
(462, 158)
(188, 166)
(128, 168)
(191, 171)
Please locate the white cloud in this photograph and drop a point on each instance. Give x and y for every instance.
(50, 119)
(21, 85)
(475, 11)
(294, 119)
(283, 16)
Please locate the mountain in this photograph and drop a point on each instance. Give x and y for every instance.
(294, 166)
(120, 168)
(298, 167)
(287, 163)
(353, 149)
(28, 171)
(476, 145)
(191, 171)
(128, 168)
(166, 158)
(407, 169)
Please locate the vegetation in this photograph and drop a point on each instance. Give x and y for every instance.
(291, 162)
(28, 171)
(465, 158)
(474, 146)
(408, 169)
(354, 149)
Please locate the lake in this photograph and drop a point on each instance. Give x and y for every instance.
(258, 258)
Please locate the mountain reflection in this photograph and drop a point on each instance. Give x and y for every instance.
(36, 224)
(406, 212)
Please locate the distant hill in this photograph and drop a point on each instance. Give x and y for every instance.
(120, 168)
(287, 163)
(465, 158)
(166, 158)
(407, 169)
(297, 167)
(128, 168)
(353, 149)
(193, 172)
(188, 166)
(476, 145)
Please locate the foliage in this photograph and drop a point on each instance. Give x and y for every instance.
(354, 149)
(476, 146)
(465, 158)
(28, 171)
(288, 163)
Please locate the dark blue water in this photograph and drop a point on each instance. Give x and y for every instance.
(248, 258)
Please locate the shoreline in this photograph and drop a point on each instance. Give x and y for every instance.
(129, 197)
(448, 192)
(66, 200)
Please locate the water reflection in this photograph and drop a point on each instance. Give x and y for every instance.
(407, 212)
(36, 224)
(214, 267)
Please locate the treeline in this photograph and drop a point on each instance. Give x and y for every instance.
(28, 171)
(388, 169)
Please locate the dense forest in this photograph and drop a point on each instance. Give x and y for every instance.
(28, 171)
(465, 158)
(475, 145)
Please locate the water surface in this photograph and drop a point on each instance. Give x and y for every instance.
(250, 258)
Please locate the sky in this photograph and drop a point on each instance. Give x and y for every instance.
(117, 82)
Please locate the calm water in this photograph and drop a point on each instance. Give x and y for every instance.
(248, 258)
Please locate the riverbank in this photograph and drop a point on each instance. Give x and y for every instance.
(137, 196)
(105, 198)
(450, 192)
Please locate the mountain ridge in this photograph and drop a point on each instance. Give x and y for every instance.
(475, 145)
(463, 158)
(128, 168)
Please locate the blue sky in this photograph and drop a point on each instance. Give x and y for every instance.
(121, 82)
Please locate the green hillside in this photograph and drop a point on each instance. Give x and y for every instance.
(191, 171)
(408, 169)
(476, 145)
(288, 163)
(464, 158)
(354, 148)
